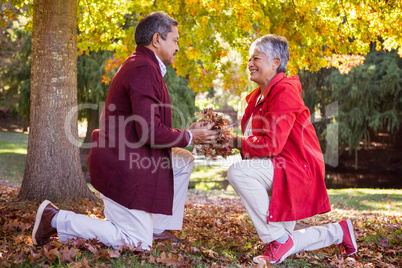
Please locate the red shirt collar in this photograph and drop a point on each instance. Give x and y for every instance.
(252, 97)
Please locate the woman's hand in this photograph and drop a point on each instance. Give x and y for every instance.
(235, 142)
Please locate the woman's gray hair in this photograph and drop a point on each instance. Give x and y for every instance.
(156, 22)
(274, 46)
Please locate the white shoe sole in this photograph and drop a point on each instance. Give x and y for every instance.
(257, 260)
(352, 235)
(38, 219)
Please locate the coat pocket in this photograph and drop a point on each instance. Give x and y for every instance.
(297, 172)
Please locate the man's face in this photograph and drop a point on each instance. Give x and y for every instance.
(169, 47)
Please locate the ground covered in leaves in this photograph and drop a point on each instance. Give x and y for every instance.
(217, 233)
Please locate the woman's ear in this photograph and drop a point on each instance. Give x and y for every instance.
(276, 63)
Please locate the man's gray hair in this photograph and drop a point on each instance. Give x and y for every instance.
(274, 46)
(156, 22)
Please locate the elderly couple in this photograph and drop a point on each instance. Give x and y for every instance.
(280, 179)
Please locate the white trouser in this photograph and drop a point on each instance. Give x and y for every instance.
(123, 225)
(252, 179)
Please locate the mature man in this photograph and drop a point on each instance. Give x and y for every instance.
(134, 162)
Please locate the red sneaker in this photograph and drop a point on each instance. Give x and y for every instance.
(349, 240)
(275, 252)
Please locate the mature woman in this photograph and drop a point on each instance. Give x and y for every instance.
(281, 177)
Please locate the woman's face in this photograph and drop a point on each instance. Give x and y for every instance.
(262, 69)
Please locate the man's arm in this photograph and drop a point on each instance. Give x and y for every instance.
(147, 104)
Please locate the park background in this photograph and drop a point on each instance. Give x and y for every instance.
(346, 53)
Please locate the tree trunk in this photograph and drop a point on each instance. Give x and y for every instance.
(53, 168)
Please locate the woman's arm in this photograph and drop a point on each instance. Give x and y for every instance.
(277, 118)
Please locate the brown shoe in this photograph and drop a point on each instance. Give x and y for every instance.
(43, 228)
(166, 236)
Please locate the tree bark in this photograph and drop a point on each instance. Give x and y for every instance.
(53, 168)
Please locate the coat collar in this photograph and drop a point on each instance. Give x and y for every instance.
(140, 50)
(252, 97)
(161, 65)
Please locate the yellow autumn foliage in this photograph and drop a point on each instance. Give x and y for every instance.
(320, 33)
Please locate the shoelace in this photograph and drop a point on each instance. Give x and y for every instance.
(270, 250)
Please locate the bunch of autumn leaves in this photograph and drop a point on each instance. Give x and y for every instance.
(220, 147)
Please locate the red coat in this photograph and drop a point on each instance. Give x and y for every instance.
(130, 158)
(282, 130)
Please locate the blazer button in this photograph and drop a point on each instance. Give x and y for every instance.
(260, 109)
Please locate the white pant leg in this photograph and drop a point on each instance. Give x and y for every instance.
(135, 224)
(122, 224)
(182, 161)
(317, 237)
(252, 179)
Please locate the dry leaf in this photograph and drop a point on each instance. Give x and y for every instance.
(221, 145)
(169, 259)
(212, 224)
(114, 253)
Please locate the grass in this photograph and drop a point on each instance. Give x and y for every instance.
(367, 199)
(209, 177)
(13, 150)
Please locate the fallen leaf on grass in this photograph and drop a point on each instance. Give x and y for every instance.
(114, 253)
(211, 224)
(209, 253)
(131, 248)
(244, 258)
(69, 254)
(19, 258)
(350, 261)
(34, 256)
(91, 248)
(195, 250)
(51, 255)
(384, 242)
(161, 247)
(169, 259)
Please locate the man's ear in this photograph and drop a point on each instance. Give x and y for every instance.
(155, 40)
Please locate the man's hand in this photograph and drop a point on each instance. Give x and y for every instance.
(202, 134)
